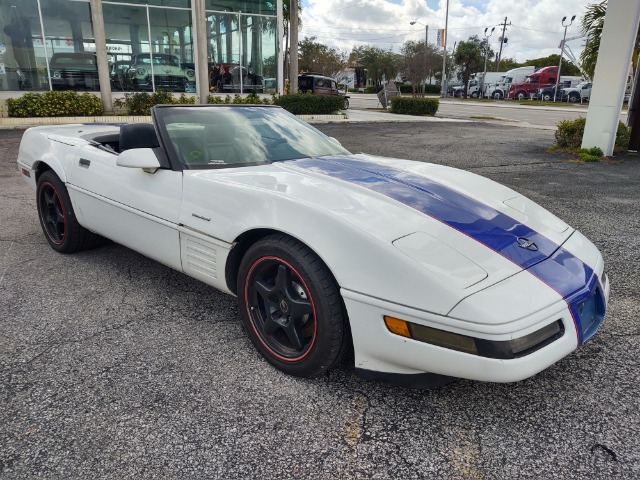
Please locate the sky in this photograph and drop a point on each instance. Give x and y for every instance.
(535, 28)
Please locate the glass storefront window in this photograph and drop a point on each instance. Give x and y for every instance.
(157, 3)
(149, 45)
(22, 60)
(70, 46)
(242, 52)
(264, 7)
(153, 55)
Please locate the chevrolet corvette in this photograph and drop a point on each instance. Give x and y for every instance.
(422, 271)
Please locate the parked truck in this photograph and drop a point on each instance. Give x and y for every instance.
(477, 86)
(545, 77)
(500, 89)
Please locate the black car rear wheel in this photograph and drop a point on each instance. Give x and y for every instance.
(58, 219)
(290, 306)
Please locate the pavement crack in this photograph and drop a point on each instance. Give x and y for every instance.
(610, 454)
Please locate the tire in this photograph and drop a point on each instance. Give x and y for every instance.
(546, 97)
(345, 104)
(521, 95)
(497, 95)
(57, 218)
(574, 98)
(290, 307)
(474, 95)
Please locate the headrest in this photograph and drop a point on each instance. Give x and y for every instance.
(137, 135)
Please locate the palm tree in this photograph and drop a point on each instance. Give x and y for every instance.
(591, 24)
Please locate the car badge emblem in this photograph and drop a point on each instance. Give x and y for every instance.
(284, 307)
(527, 244)
(167, 70)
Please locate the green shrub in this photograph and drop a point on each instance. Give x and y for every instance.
(251, 99)
(414, 105)
(570, 132)
(140, 103)
(623, 137)
(372, 88)
(55, 104)
(310, 104)
(433, 89)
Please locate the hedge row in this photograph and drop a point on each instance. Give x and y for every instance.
(309, 104)
(414, 105)
(70, 103)
(570, 132)
(55, 104)
(429, 88)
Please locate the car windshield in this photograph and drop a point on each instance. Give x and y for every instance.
(223, 136)
(158, 60)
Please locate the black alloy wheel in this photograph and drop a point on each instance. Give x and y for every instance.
(52, 214)
(290, 307)
(281, 309)
(58, 219)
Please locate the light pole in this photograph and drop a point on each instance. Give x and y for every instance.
(555, 91)
(426, 42)
(486, 53)
(443, 93)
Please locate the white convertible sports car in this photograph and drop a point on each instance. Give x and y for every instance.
(426, 271)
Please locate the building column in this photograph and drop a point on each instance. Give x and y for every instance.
(280, 49)
(97, 18)
(200, 57)
(610, 76)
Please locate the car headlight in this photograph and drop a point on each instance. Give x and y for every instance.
(514, 348)
(57, 74)
(191, 73)
(141, 71)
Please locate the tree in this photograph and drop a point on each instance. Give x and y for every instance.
(378, 62)
(419, 62)
(316, 57)
(591, 24)
(469, 56)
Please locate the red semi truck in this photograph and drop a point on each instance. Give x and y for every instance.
(544, 77)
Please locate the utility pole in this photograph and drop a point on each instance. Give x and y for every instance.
(486, 54)
(504, 28)
(443, 92)
(293, 49)
(564, 39)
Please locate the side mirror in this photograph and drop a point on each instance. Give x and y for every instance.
(143, 158)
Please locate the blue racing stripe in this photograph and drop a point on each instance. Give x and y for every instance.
(552, 264)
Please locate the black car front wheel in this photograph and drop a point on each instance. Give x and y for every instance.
(290, 306)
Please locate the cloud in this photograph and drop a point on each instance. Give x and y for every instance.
(535, 28)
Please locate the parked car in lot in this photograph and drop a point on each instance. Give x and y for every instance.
(159, 69)
(232, 78)
(75, 71)
(579, 93)
(418, 268)
(319, 84)
(118, 74)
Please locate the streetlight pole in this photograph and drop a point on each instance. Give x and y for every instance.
(443, 93)
(555, 91)
(486, 53)
(426, 42)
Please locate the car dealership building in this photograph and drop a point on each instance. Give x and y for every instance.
(192, 46)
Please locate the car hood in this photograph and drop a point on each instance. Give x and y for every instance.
(465, 229)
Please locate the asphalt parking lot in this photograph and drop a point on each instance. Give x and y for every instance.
(114, 366)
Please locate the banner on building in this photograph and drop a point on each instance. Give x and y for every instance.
(441, 37)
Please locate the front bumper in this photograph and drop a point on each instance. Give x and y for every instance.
(379, 350)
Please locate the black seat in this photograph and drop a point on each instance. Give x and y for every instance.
(138, 135)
